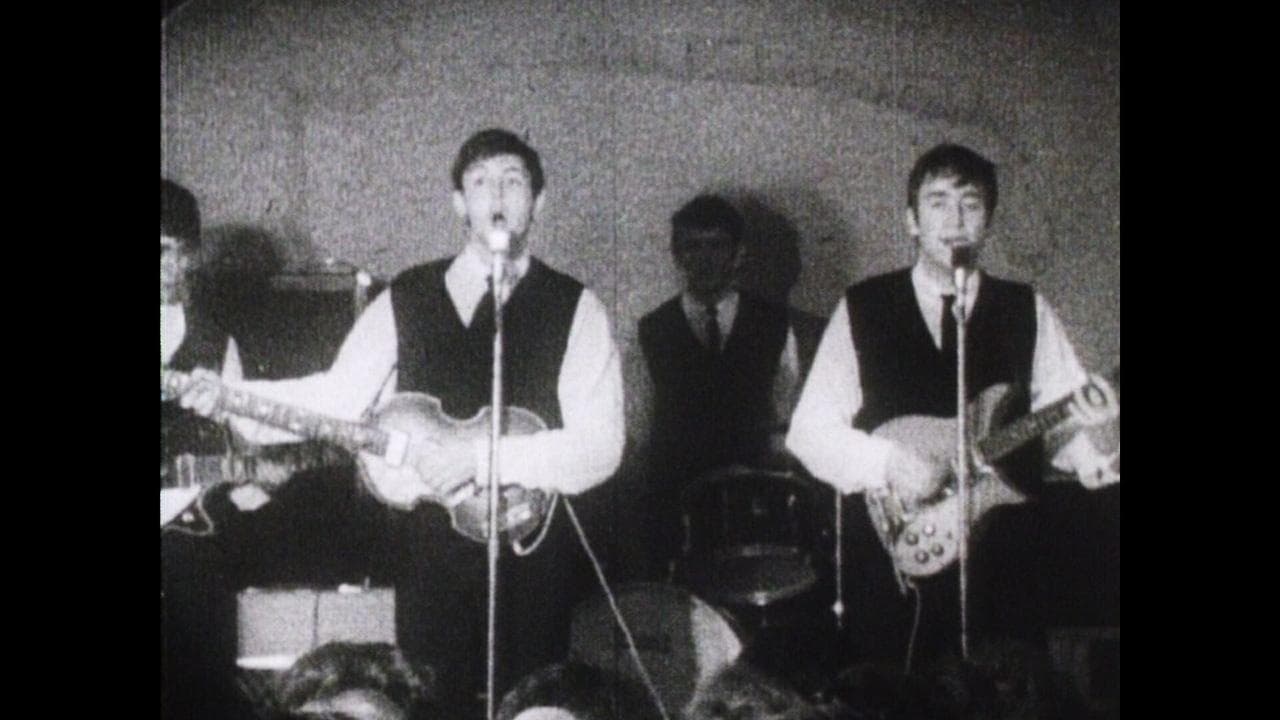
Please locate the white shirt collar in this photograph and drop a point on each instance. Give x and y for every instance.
(927, 286)
(929, 294)
(696, 313)
(467, 280)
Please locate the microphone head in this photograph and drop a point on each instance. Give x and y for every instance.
(499, 240)
(963, 256)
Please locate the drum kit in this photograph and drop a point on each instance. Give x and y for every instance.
(755, 551)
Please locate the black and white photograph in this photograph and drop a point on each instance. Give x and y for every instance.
(640, 359)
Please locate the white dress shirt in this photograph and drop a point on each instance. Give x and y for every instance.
(822, 435)
(581, 455)
(786, 383)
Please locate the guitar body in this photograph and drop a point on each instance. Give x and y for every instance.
(422, 423)
(405, 429)
(182, 511)
(186, 482)
(925, 540)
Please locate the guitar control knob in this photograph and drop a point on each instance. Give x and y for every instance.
(911, 538)
(936, 549)
(929, 530)
(922, 556)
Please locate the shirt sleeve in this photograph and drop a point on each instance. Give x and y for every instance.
(1055, 373)
(352, 384)
(232, 367)
(822, 435)
(588, 449)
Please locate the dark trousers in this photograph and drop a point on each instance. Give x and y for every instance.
(197, 619)
(1051, 562)
(441, 580)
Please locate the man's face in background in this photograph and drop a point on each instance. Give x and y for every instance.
(175, 260)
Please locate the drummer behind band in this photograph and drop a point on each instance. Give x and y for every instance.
(724, 366)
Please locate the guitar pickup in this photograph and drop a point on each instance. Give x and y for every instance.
(397, 448)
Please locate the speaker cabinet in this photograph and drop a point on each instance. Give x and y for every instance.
(276, 626)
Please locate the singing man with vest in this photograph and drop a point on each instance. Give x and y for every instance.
(889, 351)
(432, 332)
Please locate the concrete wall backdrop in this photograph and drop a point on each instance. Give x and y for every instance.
(330, 127)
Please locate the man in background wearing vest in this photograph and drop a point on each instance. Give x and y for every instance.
(432, 333)
(889, 351)
(724, 367)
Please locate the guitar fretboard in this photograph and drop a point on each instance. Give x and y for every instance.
(1015, 434)
(353, 436)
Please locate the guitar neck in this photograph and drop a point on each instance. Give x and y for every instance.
(1025, 429)
(354, 436)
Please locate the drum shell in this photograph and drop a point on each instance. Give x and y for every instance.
(682, 640)
(750, 535)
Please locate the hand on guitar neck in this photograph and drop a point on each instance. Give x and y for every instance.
(914, 476)
(918, 517)
(409, 451)
(443, 464)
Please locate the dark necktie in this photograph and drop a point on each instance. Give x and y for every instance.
(948, 326)
(484, 311)
(713, 329)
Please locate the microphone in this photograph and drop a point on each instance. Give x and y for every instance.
(962, 259)
(499, 239)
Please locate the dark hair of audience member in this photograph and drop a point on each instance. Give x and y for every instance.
(1003, 679)
(740, 692)
(586, 692)
(341, 667)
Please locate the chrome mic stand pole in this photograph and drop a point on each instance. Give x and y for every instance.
(837, 608)
(499, 241)
(960, 261)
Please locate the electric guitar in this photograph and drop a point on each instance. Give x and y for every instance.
(402, 430)
(925, 540)
(186, 479)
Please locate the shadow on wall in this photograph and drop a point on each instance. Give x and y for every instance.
(772, 264)
(246, 252)
(282, 329)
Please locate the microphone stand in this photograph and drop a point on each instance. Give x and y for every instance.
(495, 433)
(960, 260)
